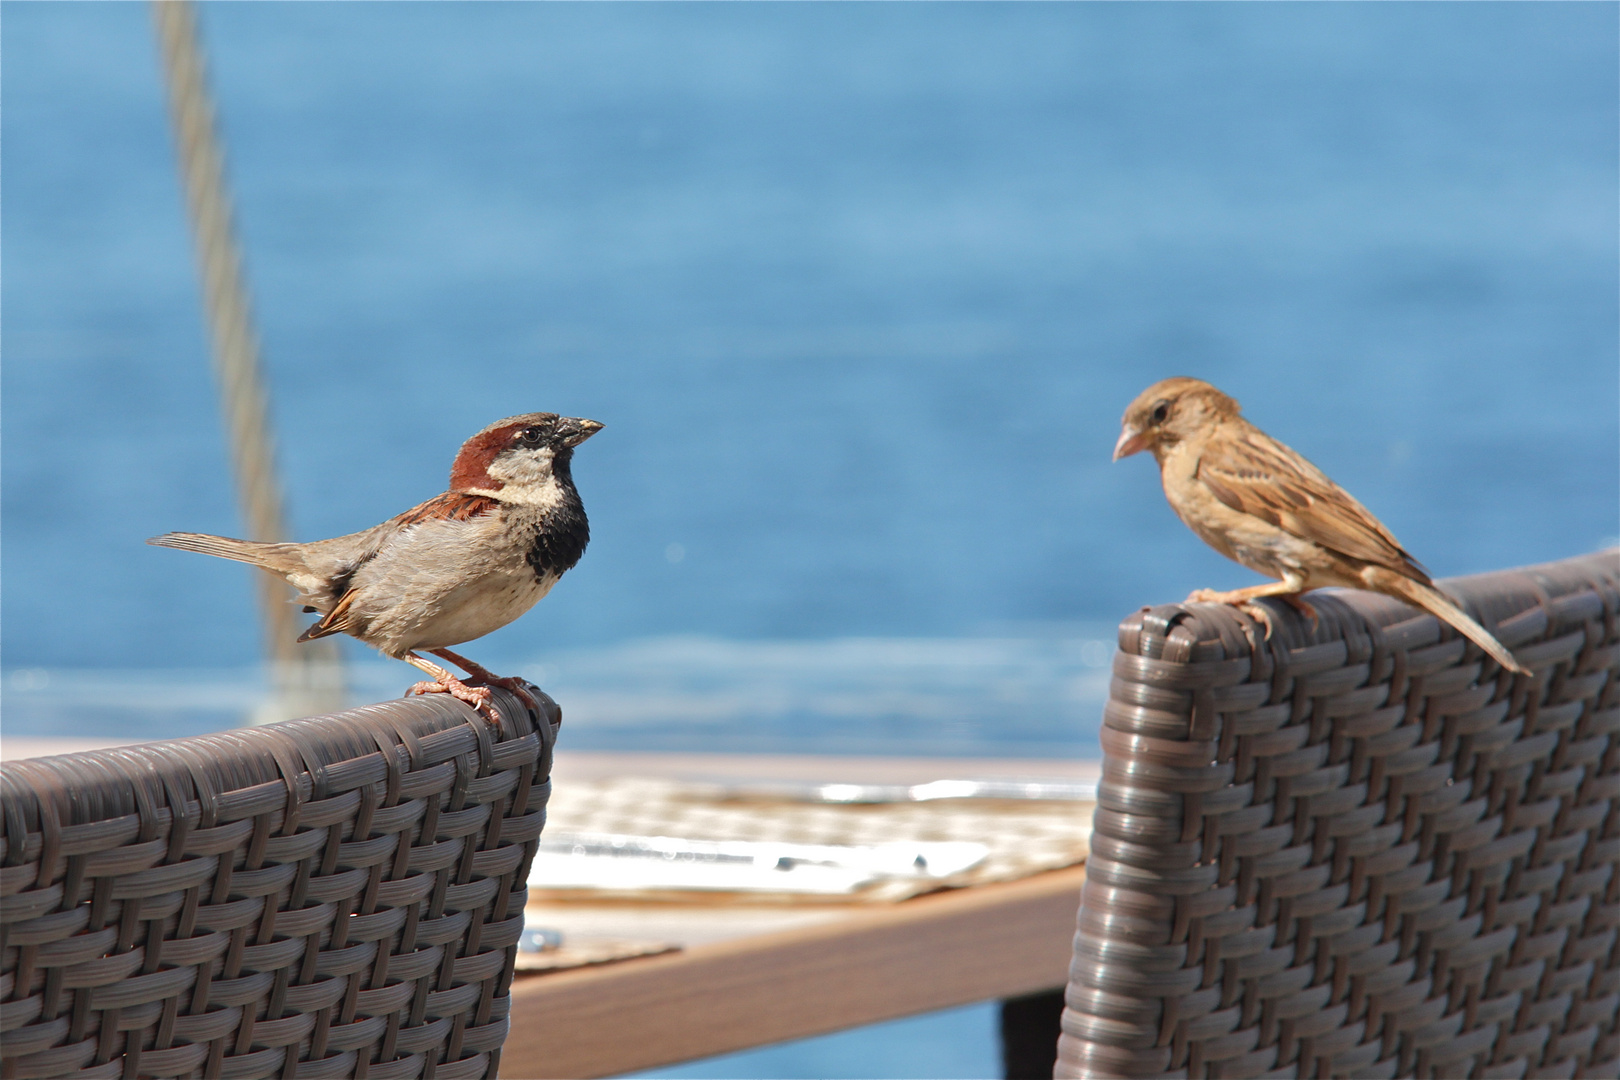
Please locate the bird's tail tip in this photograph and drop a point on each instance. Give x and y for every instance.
(1442, 607)
(223, 546)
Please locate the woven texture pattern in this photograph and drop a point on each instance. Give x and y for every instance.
(1360, 849)
(339, 896)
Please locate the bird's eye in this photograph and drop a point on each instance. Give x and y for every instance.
(1161, 412)
(532, 436)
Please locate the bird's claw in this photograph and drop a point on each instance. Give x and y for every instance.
(1244, 600)
(1233, 599)
(482, 675)
(1259, 614)
(476, 696)
(514, 685)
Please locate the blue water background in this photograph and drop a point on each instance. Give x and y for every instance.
(860, 292)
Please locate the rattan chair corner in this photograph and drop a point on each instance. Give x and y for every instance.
(1359, 848)
(331, 897)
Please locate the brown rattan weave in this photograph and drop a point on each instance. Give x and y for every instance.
(339, 896)
(1360, 849)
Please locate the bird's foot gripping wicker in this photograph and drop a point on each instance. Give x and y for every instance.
(1360, 849)
(339, 896)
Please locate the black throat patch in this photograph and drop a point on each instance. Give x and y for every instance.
(562, 531)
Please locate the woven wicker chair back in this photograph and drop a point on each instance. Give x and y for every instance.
(339, 896)
(1358, 849)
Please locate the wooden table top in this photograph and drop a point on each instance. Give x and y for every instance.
(861, 965)
(754, 974)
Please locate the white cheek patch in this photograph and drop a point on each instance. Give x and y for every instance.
(527, 478)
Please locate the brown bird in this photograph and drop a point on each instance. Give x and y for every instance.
(452, 569)
(1259, 503)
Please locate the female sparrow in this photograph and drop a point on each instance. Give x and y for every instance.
(452, 569)
(1260, 504)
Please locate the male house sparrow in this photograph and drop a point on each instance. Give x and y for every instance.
(1259, 503)
(452, 569)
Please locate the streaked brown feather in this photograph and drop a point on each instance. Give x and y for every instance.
(1255, 474)
(451, 506)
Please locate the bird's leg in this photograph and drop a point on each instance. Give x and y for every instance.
(446, 683)
(1288, 589)
(1299, 604)
(489, 678)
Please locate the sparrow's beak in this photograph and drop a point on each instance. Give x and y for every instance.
(574, 430)
(1130, 442)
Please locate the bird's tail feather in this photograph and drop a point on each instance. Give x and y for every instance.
(1440, 606)
(277, 558)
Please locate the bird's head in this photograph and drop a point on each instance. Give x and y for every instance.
(1168, 412)
(521, 458)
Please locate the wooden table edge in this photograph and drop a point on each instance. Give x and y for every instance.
(878, 963)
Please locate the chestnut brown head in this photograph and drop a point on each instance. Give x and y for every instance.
(519, 452)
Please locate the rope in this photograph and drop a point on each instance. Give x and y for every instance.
(307, 676)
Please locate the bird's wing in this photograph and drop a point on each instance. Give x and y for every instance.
(451, 506)
(335, 621)
(1255, 474)
(388, 541)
